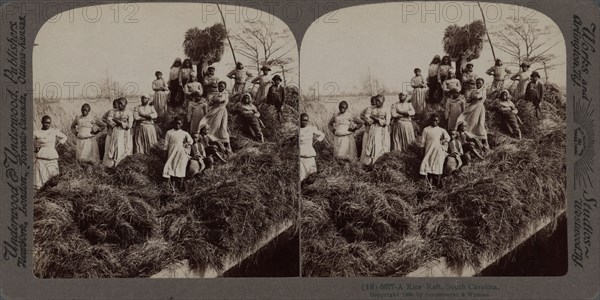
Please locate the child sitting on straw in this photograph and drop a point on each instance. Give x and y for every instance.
(455, 153)
(343, 125)
(198, 160)
(434, 140)
(306, 135)
(176, 142)
(45, 165)
(509, 112)
(86, 127)
(469, 144)
(212, 146)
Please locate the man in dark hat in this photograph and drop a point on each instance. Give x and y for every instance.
(535, 92)
(276, 96)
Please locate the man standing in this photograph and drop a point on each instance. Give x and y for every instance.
(241, 76)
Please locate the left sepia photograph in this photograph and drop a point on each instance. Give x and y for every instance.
(165, 143)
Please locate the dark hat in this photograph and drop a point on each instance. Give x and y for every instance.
(469, 64)
(535, 73)
(265, 67)
(210, 67)
(524, 64)
(276, 77)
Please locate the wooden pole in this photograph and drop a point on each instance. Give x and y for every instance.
(486, 30)
(228, 40)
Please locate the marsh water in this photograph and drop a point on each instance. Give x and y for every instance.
(543, 254)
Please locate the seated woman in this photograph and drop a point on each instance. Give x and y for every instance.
(469, 144)
(250, 117)
(343, 125)
(45, 165)
(509, 112)
(434, 141)
(474, 114)
(85, 128)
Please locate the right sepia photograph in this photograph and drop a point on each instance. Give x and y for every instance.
(433, 142)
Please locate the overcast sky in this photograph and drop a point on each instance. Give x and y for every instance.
(129, 43)
(391, 39)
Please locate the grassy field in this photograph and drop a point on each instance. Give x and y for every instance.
(388, 222)
(93, 221)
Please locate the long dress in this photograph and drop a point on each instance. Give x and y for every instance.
(419, 94)
(264, 82)
(377, 141)
(196, 111)
(120, 143)
(216, 118)
(403, 132)
(86, 147)
(474, 116)
(306, 136)
(161, 95)
(523, 78)
(174, 87)
(177, 154)
(240, 77)
(433, 84)
(448, 85)
(144, 132)
(454, 107)
(435, 155)
(45, 165)
(344, 145)
(108, 132)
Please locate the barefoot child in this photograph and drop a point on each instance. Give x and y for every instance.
(212, 146)
(343, 125)
(307, 135)
(455, 154)
(176, 142)
(469, 144)
(45, 165)
(434, 139)
(198, 156)
(86, 127)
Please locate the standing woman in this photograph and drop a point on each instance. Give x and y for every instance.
(85, 127)
(468, 80)
(120, 142)
(403, 132)
(474, 114)
(499, 72)
(174, 85)
(451, 83)
(145, 133)
(419, 92)
(45, 165)
(523, 78)
(276, 96)
(210, 82)
(377, 140)
(161, 94)
(432, 79)
(115, 106)
(192, 89)
(176, 142)
(434, 140)
(343, 125)
(240, 77)
(306, 137)
(263, 81)
(216, 118)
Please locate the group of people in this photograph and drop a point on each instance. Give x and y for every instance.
(447, 149)
(206, 138)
